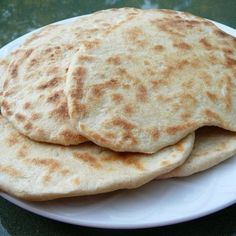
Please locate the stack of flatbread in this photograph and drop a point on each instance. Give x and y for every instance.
(114, 100)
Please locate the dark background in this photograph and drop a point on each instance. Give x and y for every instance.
(18, 17)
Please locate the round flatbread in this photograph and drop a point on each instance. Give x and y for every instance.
(212, 146)
(34, 99)
(39, 171)
(151, 80)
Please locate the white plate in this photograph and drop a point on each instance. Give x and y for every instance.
(155, 204)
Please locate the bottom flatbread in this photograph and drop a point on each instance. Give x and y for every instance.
(37, 171)
(212, 146)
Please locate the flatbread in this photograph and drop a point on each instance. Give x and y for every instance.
(212, 146)
(39, 171)
(4, 62)
(34, 99)
(152, 80)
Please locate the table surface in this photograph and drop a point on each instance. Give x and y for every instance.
(19, 17)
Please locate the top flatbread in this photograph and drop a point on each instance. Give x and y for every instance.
(152, 80)
(39, 171)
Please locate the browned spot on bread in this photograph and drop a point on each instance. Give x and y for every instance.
(13, 70)
(212, 59)
(123, 123)
(19, 117)
(26, 54)
(127, 127)
(123, 73)
(230, 62)
(187, 84)
(114, 60)
(46, 178)
(147, 63)
(50, 164)
(86, 58)
(172, 130)
(9, 93)
(117, 98)
(141, 94)
(181, 64)
(33, 62)
(28, 126)
(35, 116)
(133, 33)
(173, 155)
(185, 115)
(77, 91)
(172, 27)
(5, 84)
(187, 97)
(206, 77)
(6, 107)
(64, 172)
(158, 48)
(228, 85)
(40, 132)
(22, 151)
(168, 70)
(12, 139)
(165, 163)
(155, 84)
(61, 112)
(110, 135)
(27, 105)
(79, 108)
(49, 84)
(98, 89)
(69, 135)
(182, 45)
(127, 159)
(179, 147)
(154, 133)
(211, 115)
(125, 86)
(141, 43)
(128, 109)
(128, 137)
(211, 96)
(55, 97)
(52, 70)
(94, 136)
(76, 181)
(70, 47)
(10, 171)
(149, 72)
(227, 51)
(221, 33)
(90, 44)
(206, 43)
(88, 159)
